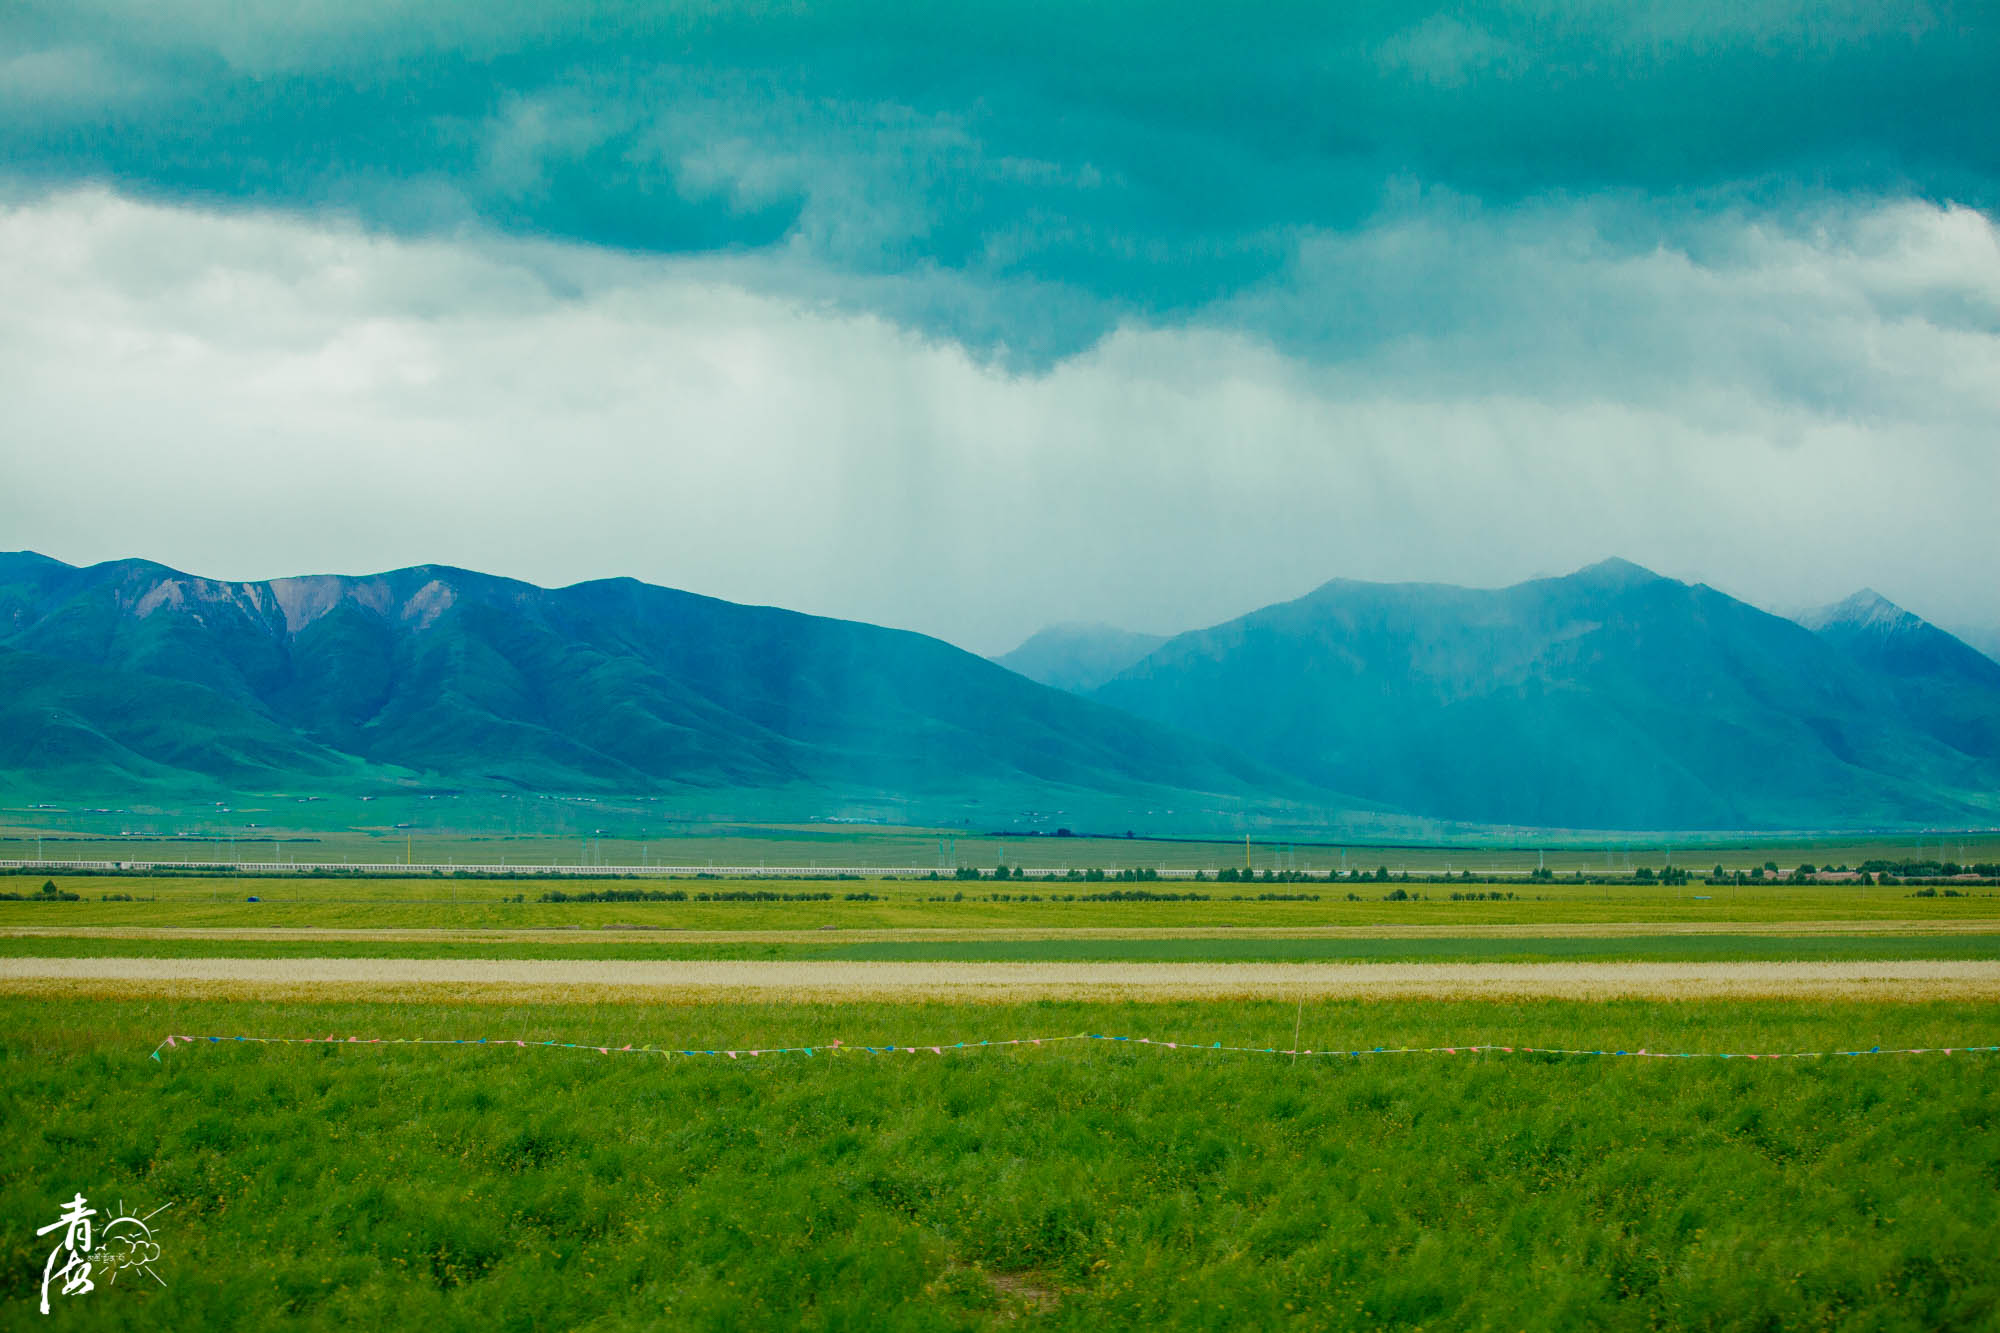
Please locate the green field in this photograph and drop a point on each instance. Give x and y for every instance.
(444, 902)
(467, 830)
(1081, 1185)
(1085, 1186)
(1184, 949)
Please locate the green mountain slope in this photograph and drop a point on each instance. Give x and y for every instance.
(77, 726)
(614, 685)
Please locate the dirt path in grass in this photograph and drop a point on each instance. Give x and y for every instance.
(637, 982)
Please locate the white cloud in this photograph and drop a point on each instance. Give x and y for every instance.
(252, 395)
(1889, 312)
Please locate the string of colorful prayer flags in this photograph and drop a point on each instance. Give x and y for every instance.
(838, 1048)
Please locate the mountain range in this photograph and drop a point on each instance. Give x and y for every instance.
(132, 672)
(1611, 698)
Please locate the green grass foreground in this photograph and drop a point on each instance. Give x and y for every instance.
(1083, 1186)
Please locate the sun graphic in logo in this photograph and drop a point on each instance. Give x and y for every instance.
(126, 1244)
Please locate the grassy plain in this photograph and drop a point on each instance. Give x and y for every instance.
(1086, 1186)
(1075, 1186)
(444, 902)
(620, 946)
(488, 830)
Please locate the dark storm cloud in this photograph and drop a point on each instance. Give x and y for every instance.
(1016, 176)
(736, 298)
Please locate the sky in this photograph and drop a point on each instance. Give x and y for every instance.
(975, 318)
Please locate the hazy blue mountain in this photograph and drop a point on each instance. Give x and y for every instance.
(1610, 698)
(1948, 688)
(613, 684)
(1079, 657)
